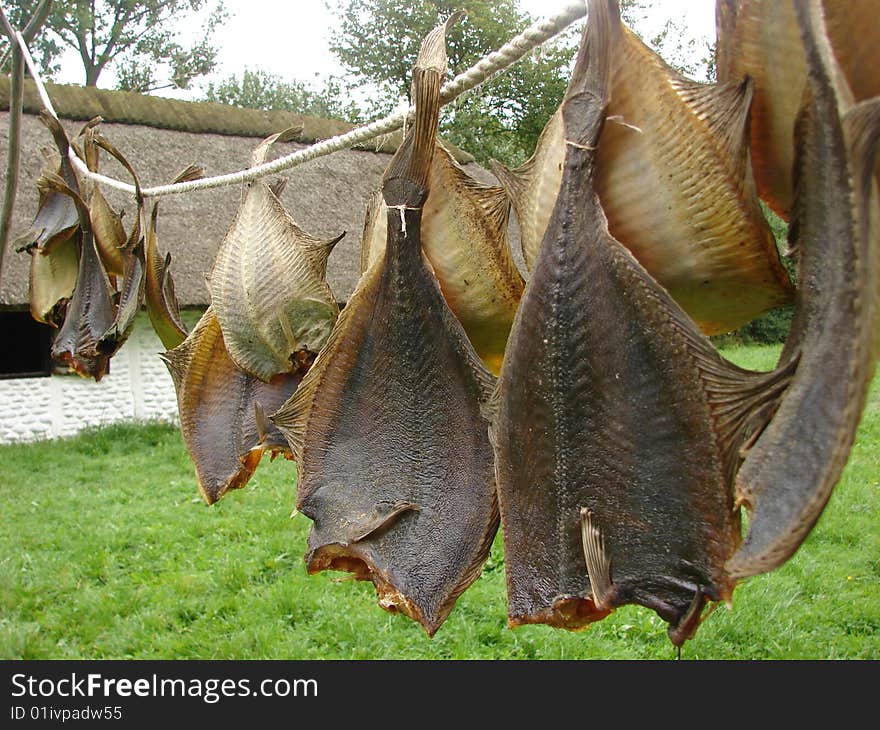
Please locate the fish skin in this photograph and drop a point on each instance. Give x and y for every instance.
(464, 238)
(107, 226)
(396, 469)
(268, 285)
(159, 297)
(760, 39)
(52, 280)
(131, 295)
(790, 472)
(109, 233)
(611, 403)
(57, 218)
(91, 310)
(675, 184)
(220, 408)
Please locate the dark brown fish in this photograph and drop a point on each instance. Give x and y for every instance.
(616, 425)
(395, 463)
(789, 473)
(464, 236)
(223, 410)
(91, 310)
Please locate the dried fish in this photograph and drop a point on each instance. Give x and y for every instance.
(395, 464)
(792, 468)
(464, 237)
(267, 285)
(223, 410)
(91, 310)
(107, 225)
(675, 183)
(162, 306)
(616, 425)
(761, 39)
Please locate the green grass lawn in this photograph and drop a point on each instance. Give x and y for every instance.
(107, 551)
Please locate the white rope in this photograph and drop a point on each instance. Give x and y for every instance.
(482, 71)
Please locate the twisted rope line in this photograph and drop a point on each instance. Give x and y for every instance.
(482, 71)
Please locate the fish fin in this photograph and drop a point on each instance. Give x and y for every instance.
(514, 182)
(258, 156)
(278, 186)
(687, 626)
(492, 199)
(598, 561)
(384, 516)
(371, 219)
(724, 108)
(262, 421)
(741, 402)
(188, 174)
(317, 250)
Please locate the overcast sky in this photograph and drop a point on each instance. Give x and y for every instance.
(291, 38)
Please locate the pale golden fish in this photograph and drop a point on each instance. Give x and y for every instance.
(267, 284)
(674, 180)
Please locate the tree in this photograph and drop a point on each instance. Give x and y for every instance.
(262, 90)
(377, 41)
(138, 38)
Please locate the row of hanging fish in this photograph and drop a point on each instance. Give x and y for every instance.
(88, 277)
(621, 447)
(616, 448)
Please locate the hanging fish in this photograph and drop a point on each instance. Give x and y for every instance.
(57, 218)
(395, 464)
(760, 39)
(91, 311)
(675, 183)
(52, 280)
(161, 301)
(789, 473)
(53, 246)
(136, 279)
(464, 237)
(162, 306)
(268, 284)
(223, 409)
(617, 427)
(131, 294)
(107, 225)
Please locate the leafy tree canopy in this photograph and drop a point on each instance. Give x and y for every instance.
(377, 41)
(138, 38)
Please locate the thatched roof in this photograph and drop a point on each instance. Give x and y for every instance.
(162, 136)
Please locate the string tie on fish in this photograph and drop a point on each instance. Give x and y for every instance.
(402, 208)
